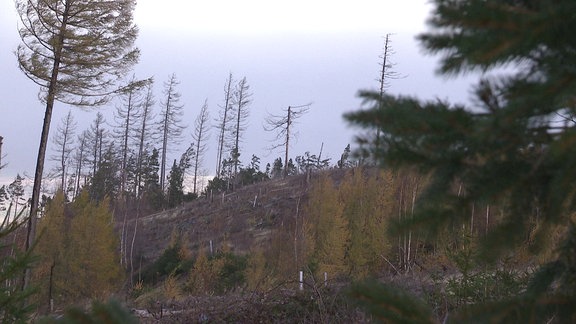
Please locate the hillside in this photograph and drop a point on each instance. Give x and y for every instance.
(241, 219)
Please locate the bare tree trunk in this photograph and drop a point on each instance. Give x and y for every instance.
(133, 241)
(199, 136)
(224, 124)
(288, 123)
(472, 219)
(487, 219)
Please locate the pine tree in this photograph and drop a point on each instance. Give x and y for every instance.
(512, 148)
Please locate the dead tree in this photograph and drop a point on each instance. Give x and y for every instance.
(282, 126)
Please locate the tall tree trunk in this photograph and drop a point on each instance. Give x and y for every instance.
(50, 98)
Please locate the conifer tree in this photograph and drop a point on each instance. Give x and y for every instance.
(513, 147)
(64, 139)
(327, 229)
(51, 273)
(79, 159)
(92, 250)
(367, 204)
(170, 126)
(77, 52)
(151, 190)
(282, 126)
(106, 181)
(97, 135)
(145, 132)
(16, 192)
(13, 305)
(242, 99)
(175, 194)
(223, 123)
(200, 136)
(126, 117)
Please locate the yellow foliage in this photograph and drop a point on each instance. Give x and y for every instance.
(92, 252)
(171, 288)
(326, 228)
(79, 246)
(51, 246)
(258, 276)
(345, 227)
(204, 275)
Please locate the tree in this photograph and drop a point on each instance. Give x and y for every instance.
(242, 98)
(76, 238)
(126, 116)
(151, 190)
(96, 139)
(513, 148)
(145, 132)
(79, 159)
(64, 139)
(281, 125)
(344, 161)
(106, 181)
(1, 156)
(277, 169)
(3, 199)
(92, 250)
(175, 194)
(326, 233)
(170, 122)
(51, 273)
(251, 174)
(308, 162)
(16, 192)
(13, 305)
(368, 200)
(223, 122)
(200, 137)
(76, 51)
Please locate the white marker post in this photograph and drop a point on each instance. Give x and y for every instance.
(301, 280)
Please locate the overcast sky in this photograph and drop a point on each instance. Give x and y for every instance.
(291, 53)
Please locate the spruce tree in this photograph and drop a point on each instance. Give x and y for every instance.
(175, 186)
(512, 147)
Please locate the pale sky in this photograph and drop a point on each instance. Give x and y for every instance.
(291, 53)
